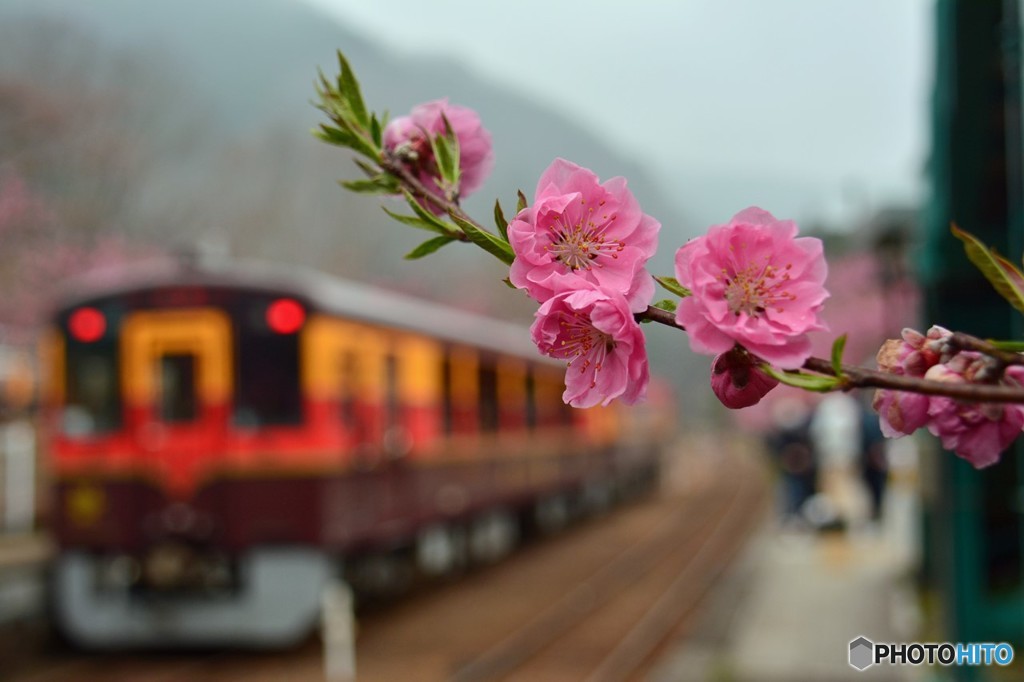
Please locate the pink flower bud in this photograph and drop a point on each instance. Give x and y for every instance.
(977, 432)
(738, 381)
(409, 137)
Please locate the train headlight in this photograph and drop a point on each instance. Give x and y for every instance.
(119, 572)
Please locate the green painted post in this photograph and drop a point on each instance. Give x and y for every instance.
(976, 182)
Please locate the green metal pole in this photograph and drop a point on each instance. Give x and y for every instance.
(976, 182)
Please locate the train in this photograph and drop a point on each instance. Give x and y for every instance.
(226, 439)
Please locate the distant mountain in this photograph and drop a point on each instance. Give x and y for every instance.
(250, 67)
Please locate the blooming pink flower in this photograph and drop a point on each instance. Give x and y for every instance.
(579, 230)
(409, 137)
(594, 330)
(977, 432)
(756, 284)
(738, 381)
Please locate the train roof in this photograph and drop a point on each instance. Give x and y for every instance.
(324, 292)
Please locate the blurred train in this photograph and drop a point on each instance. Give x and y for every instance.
(224, 441)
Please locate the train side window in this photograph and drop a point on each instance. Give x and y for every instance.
(447, 402)
(349, 380)
(267, 391)
(178, 388)
(392, 404)
(93, 402)
(531, 400)
(488, 398)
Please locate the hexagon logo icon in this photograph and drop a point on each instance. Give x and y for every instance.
(862, 652)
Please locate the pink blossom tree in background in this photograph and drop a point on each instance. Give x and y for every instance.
(750, 292)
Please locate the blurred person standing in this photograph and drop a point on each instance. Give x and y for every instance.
(790, 445)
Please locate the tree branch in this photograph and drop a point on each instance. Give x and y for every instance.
(860, 377)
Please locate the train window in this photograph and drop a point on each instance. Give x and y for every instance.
(447, 404)
(267, 389)
(93, 403)
(349, 380)
(531, 400)
(488, 398)
(178, 388)
(391, 401)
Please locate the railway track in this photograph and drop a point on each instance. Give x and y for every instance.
(599, 602)
(609, 626)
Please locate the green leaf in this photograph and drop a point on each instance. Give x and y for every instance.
(335, 136)
(522, 203)
(376, 131)
(672, 285)
(1001, 274)
(428, 247)
(499, 220)
(349, 88)
(414, 221)
(809, 382)
(379, 184)
(427, 216)
(485, 240)
(446, 154)
(837, 354)
(666, 304)
(509, 284)
(1012, 346)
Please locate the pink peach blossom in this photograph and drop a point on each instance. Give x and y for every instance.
(755, 284)
(409, 137)
(594, 329)
(977, 432)
(578, 230)
(737, 381)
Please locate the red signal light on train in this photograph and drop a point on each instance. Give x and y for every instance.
(87, 325)
(285, 316)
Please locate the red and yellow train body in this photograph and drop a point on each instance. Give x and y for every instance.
(208, 428)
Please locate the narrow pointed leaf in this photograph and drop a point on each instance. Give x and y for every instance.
(1007, 282)
(522, 203)
(668, 304)
(837, 354)
(672, 285)
(499, 220)
(428, 247)
(381, 184)
(808, 382)
(376, 131)
(413, 221)
(485, 240)
(1012, 346)
(335, 136)
(349, 87)
(426, 215)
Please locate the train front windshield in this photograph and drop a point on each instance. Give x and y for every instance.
(180, 357)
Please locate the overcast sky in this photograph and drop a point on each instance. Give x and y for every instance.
(827, 92)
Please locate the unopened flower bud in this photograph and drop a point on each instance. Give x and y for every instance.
(738, 381)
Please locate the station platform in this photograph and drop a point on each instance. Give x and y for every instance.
(789, 607)
(23, 558)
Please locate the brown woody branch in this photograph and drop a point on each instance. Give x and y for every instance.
(860, 377)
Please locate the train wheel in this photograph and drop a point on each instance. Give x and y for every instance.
(551, 514)
(492, 536)
(440, 550)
